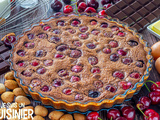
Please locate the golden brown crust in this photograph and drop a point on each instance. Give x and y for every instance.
(86, 84)
(9, 34)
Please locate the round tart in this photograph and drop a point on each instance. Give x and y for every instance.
(80, 61)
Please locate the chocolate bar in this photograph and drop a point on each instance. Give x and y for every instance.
(4, 56)
(137, 13)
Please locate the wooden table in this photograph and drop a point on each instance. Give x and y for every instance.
(143, 92)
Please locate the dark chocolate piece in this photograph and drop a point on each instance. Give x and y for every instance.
(156, 12)
(143, 11)
(143, 22)
(4, 67)
(129, 1)
(136, 16)
(128, 10)
(136, 5)
(121, 15)
(129, 21)
(3, 48)
(150, 6)
(114, 9)
(121, 4)
(1, 60)
(137, 27)
(156, 2)
(5, 55)
(143, 2)
(150, 17)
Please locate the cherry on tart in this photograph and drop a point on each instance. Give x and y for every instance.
(81, 59)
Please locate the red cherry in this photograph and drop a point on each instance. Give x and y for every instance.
(144, 103)
(67, 9)
(35, 63)
(59, 56)
(9, 40)
(128, 112)
(81, 7)
(151, 114)
(102, 12)
(93, 22)
(113, 44)
(46, 28)
(155, 88)
(45, 88)
(155, 97)
(107, 50)
(121, 34)
(121, 118)
(75, 79)
(135, 75)
(122, 52)
(77, 68)
(90, 10)
(125, 85)
(118, 74)
(93, 116)
(67, 91)
(92, 3)
(113, 113)
(106, 6)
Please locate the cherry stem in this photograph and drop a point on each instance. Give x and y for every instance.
(111, 118)
(138, 106)
(151, 82)
(99, 118)
(73, 4)
(147, 87)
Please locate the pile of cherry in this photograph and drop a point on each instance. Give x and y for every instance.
(90, 6)
(128, 112)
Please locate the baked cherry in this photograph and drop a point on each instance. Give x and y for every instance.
(67, 9)
(113, 114)
(91, 45)
(90, 10)
(95, 70)
(98, 84)
(127, 60)
(46, 28)
(71, 31)
(114, 57)
(42, 36)
(111, 88)
(60, 23)
(35, 63)
(102, 12)
(103, 2)
(9, 40)
(122, 52)
(114, 28)
(133, 43)
(59, 56)
(30, 36)
(93, 60)
(54, 39)
(81, 7)
(29, 45)
(56, 5)
(93, 116)
(135, 75)
(77, 68)
(128, 112)
(56, 31)
(75, 53)
(63, 73)
(106, 6)
(75, 22)
(83, 28)
(93, 22)
(62, 47)
(77, 43)
(75, 79)
(40, 53)
(67, 91)
(67, 1)
(113, 44)
(143, 103)
(93, 94)
(20, 63)
(27, 72)
(118, 74)
(121, 34)
(79, 97)
(154, 87)
(155, 97)
(125, 85)
(107, 50)
(35, 82)
(92, 3)
(139, 63)
(57, 82)
(95, 32)
(83, 36)
(41, 70)
(151, 114)
(48, 62)
(104, 25)
(45, 88)
(21, 53)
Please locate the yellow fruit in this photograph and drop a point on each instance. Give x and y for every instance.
(41, 110)
(156, 50)
(7, 97)
(11, 84)
(55, 115)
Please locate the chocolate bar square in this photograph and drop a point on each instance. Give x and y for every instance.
(136, 5)
(137, 26)
(128, 10)
(3, 48)
(121, 15)
(156, 2)
(150, 17)
(5, 55)
(129, 21)
(136, 16)
(129, 1)
(150, 6)
(114, 9)
(156, 12)
(143, 22)
(121, 4)
(143, 2)
(143, 11)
